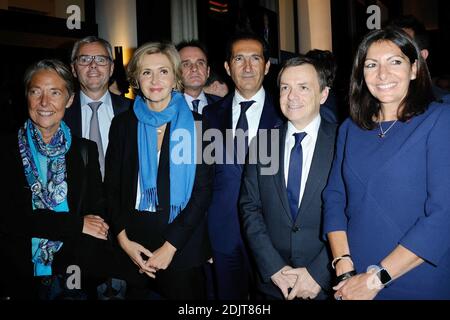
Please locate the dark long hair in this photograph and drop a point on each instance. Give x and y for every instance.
(363, 106)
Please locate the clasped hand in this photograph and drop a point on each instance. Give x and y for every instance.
(302, 285)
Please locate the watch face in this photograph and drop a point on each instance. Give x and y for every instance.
(384, 276)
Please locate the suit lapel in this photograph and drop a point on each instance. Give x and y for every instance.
(279, 177)
(133, 153)
(226, 124)
(323, 154)
(210, 98)
(227, 114)
(117, 104)
(73, 116)
(269, 117)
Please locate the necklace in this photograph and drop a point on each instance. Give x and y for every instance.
(161, 129)
(383, 133)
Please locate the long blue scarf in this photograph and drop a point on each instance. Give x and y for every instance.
(182, 153)
(45, 171)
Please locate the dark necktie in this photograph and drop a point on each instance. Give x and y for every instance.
(195, 104)
(243, 125)
(295, 174)
(94, 134)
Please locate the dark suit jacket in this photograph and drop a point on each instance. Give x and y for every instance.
(329, 109)
(19, 222)
(223, 220)
(276, 240)
(188, 231)
(211, 98)
(72, 117)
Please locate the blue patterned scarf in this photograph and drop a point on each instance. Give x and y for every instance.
(182, 153)
(45, 171)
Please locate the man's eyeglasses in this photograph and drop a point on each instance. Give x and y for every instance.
(84, 60)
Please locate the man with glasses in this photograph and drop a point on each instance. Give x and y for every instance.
(195, 72)
(90, 117)
(94, 106)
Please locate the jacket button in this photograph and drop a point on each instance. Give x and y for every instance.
(295, 229)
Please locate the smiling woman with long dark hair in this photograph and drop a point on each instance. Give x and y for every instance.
(387, 204)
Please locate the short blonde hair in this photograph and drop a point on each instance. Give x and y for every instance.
(164, 48)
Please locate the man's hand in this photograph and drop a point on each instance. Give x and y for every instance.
(305, 286)
(282, 281)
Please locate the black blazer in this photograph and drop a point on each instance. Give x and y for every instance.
(188, 231)
(276, 240)
(72, 117)
(19, 222)
(211, 98)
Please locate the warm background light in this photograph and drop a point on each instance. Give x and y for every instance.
(116, 21)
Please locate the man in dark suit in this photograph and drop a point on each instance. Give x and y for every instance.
(94, 107)
(246, 109)
(281, 209)
(195, 72)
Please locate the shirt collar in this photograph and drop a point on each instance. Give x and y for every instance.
(259, 97)
(201, 97)
(312, 129)
(105, 99)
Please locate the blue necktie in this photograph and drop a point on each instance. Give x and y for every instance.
(243, 125)
(195, 105)
(295, 174)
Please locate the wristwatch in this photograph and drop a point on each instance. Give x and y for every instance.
(382, 274)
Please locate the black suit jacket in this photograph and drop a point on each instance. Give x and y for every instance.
(274, 238)
(211, 98)
(19, 222)
(72, 117)
(188, 231)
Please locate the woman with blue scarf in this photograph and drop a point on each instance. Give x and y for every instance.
(156, 191)
(48, 186)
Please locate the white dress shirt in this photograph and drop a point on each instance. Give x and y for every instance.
(253, 113)
(105, 116)
(138, 190)
(308, 147)
(203, 101)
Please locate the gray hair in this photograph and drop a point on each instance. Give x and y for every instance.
(53, 65)
(90, 39)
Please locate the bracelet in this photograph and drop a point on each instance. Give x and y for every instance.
(345, 276)
(337, 259)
